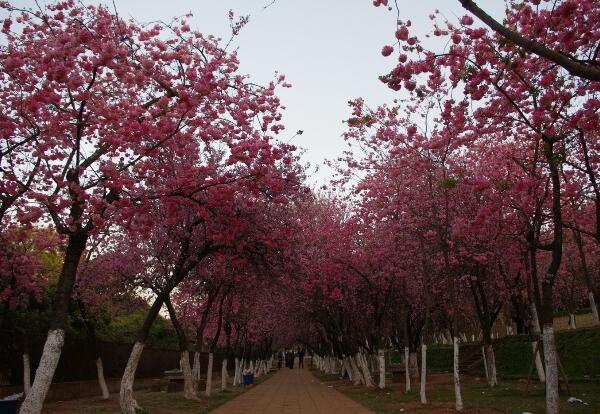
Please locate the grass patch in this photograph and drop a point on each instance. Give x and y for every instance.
(152, 402)
(579, 351)
(439, 358)
(511, 396)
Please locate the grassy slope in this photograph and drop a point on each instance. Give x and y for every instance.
(579, 351)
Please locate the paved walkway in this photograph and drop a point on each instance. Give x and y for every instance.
(292, 391)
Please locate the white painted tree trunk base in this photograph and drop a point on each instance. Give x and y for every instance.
(196, 371)
(381, 358)
(572, 322)
(34, 401)
(209, 371)
(101, 379)
(358, 378)
(224, 376)
(457, 392)
(594, 309)
(490, 361)
(407, 387)
(189, 391)
(365, 370)
(539, 367)
(26, 373)
(257, 369)
(423, 393)
(551, 362)
(236, 372)
(413, 367)
(485, 364)
(126, 400)
(348, 368)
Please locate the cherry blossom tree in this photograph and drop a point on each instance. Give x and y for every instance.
(97, 98)
(538, 104)
(23, 277)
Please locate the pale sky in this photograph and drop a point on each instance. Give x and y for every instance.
(329, 51)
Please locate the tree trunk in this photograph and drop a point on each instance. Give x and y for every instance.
(126, 399)
(348, 368)
(26, 373)
(535, 344)
(413, 366)
(423, 373)
(594, 308)
(224, 375)
(189, 391)
(257, 369)
(34, 401)
(447, 337)
(365, 369)
(584, 266)
(406, 369)
(358, 378)
(372, 362)
(485, 364)
(572, 323)
(209, 374)
(101, 379)
(490, 361)
(236, 373)
(242, 365)
(94, 341)
(551, 361)
(55, 340)
(381, 358)
(547, 310)
(457, 392)
(539, 366)
(196, 372)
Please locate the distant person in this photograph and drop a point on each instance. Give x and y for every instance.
(301, 358)
(279, 359)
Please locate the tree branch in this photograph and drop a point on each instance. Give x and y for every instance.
(589, 71)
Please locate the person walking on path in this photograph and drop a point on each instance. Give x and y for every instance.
(301, 358)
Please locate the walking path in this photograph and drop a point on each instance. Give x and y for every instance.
(292, 391)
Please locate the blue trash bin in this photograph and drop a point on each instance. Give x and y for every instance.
(248, 379)
(8, 406)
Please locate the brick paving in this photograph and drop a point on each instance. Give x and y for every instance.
(292, 391)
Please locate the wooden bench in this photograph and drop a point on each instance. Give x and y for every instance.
(397, 371)
(175, 378)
